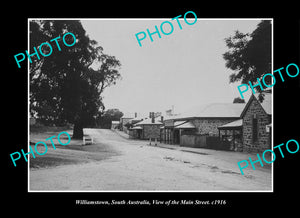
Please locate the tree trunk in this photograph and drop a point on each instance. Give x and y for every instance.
(78, 131)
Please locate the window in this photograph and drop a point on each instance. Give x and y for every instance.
(254, 129)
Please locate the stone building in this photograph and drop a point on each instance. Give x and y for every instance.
(238, 127)
(126, 118)
(203, 122)
(257, 117)
(229, 126)
(146, 129)
(215, 115)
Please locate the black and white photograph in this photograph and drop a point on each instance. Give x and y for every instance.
(159, 114)
(151, 107)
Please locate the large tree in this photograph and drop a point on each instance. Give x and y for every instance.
(249, 55)
(64, 87)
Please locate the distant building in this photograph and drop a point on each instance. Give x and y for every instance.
(126, 118)
(146, 129)
(114, 124)
(137, 118)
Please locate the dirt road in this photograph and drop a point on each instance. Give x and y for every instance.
(136, 166)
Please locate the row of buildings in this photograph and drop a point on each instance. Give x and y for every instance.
(229, 126)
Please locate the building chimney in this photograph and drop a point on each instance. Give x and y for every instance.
(153, 119)
(150, 114)
(162, 119)
(135, 115)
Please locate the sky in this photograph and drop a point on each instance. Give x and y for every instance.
(185, 69)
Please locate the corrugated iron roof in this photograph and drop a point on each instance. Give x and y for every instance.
(186, 125)
(223, 110)
(215, 110)
(236, 123)
(148, 122)
(178, 123)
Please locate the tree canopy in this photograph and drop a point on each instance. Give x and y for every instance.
(64, 87)
(105, 119)
(249, 55)
(238, 100)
